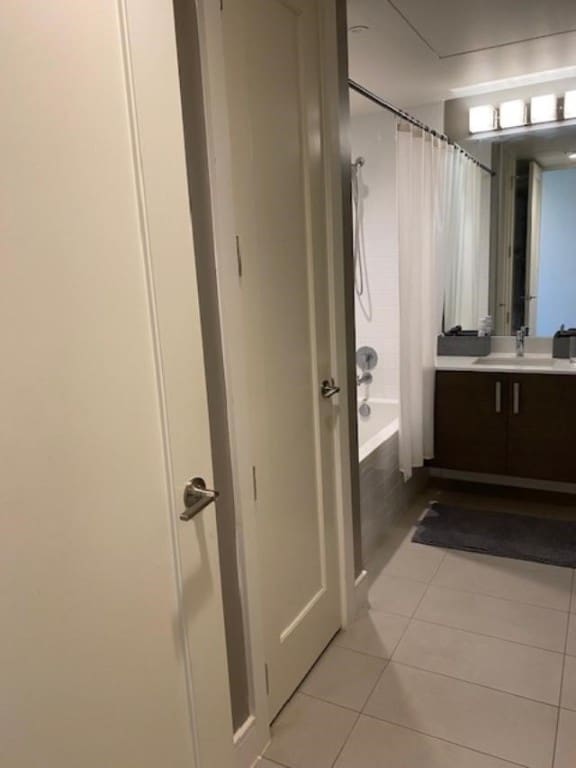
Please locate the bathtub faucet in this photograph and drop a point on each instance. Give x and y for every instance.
(365, 378)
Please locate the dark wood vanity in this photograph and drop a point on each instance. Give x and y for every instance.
(516, 424)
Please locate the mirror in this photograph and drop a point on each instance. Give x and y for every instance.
(533, 231)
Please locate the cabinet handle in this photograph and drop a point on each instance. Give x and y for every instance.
(516, 398)
(498, 397)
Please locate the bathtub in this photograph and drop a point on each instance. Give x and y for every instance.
(379, 427)
(383, 493)
(381, 486)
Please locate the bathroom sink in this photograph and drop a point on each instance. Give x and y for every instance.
(516, 362)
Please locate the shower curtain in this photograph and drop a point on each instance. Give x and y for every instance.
(462, 241)
(438, 238)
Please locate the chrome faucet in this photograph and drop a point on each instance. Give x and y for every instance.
(365, 378)
(521, 334)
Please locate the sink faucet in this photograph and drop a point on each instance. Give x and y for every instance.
(521, 334)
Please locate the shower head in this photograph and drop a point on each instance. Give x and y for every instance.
(358, 163)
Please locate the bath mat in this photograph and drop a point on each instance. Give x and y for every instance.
(499, 533)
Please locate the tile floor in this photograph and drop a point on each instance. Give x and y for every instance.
(457, 661)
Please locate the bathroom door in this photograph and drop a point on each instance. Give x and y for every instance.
(112, 650)
(273, 61)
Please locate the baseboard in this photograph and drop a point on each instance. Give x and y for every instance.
(521, 483)
(248, 744)
(360, 591)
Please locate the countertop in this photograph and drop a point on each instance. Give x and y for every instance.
(506, 363)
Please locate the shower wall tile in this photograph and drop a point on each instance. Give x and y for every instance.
(373, 137)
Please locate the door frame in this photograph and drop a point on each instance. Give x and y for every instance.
(251, 739)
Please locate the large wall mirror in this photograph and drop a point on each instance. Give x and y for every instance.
(533, 231)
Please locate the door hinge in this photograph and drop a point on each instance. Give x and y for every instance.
(267, 675)
(254, 485)
(238, 256)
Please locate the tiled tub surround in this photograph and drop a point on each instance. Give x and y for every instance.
(457, 661)
(383, 492)
(373, 137)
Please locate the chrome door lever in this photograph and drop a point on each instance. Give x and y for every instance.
(196, 498)
(329, 389)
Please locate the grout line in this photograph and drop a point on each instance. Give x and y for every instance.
(333, 703)
(372, 655)
(375, 685)
(346, 740)
(415, 619)
(419, 603)
(387, 661)
(411, 616)
(410, 619)
(484, 634)
(269, 759)
(555, 746)
(498, 597)
(472, 682)
(446, 741)
(359, 714)
(395, 575)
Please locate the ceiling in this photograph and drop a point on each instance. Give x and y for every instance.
(419, 51)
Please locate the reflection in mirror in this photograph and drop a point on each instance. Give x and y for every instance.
(533, 225)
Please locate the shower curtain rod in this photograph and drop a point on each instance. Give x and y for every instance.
(414, 121)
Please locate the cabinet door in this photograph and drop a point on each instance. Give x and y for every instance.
(541, 422)
(470, 426)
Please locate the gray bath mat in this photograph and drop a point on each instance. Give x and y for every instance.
(499, 533)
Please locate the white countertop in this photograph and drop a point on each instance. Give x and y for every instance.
(506, 363)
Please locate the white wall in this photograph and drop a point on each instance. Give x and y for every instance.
(430, 114)
(373, 138)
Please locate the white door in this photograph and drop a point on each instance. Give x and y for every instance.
(112, 650)
(533, 246)
(273, 61)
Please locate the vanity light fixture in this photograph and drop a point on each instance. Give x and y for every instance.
(543, 109)
(512, 113)
(546, 108)
(482, 118)
(569, 105)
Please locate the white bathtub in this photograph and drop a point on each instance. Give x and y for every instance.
(379, 427)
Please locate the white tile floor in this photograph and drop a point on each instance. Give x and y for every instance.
(458, 661)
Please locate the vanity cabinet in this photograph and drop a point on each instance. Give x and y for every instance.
(541, 424)
(522, 425)
(470, 421)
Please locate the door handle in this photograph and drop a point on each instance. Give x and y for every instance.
(196, 498)
(329, 389)
(498, 397)
(516, 398)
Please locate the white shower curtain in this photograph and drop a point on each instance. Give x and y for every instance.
(462, 240)
(420, 183)
(438, 239)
